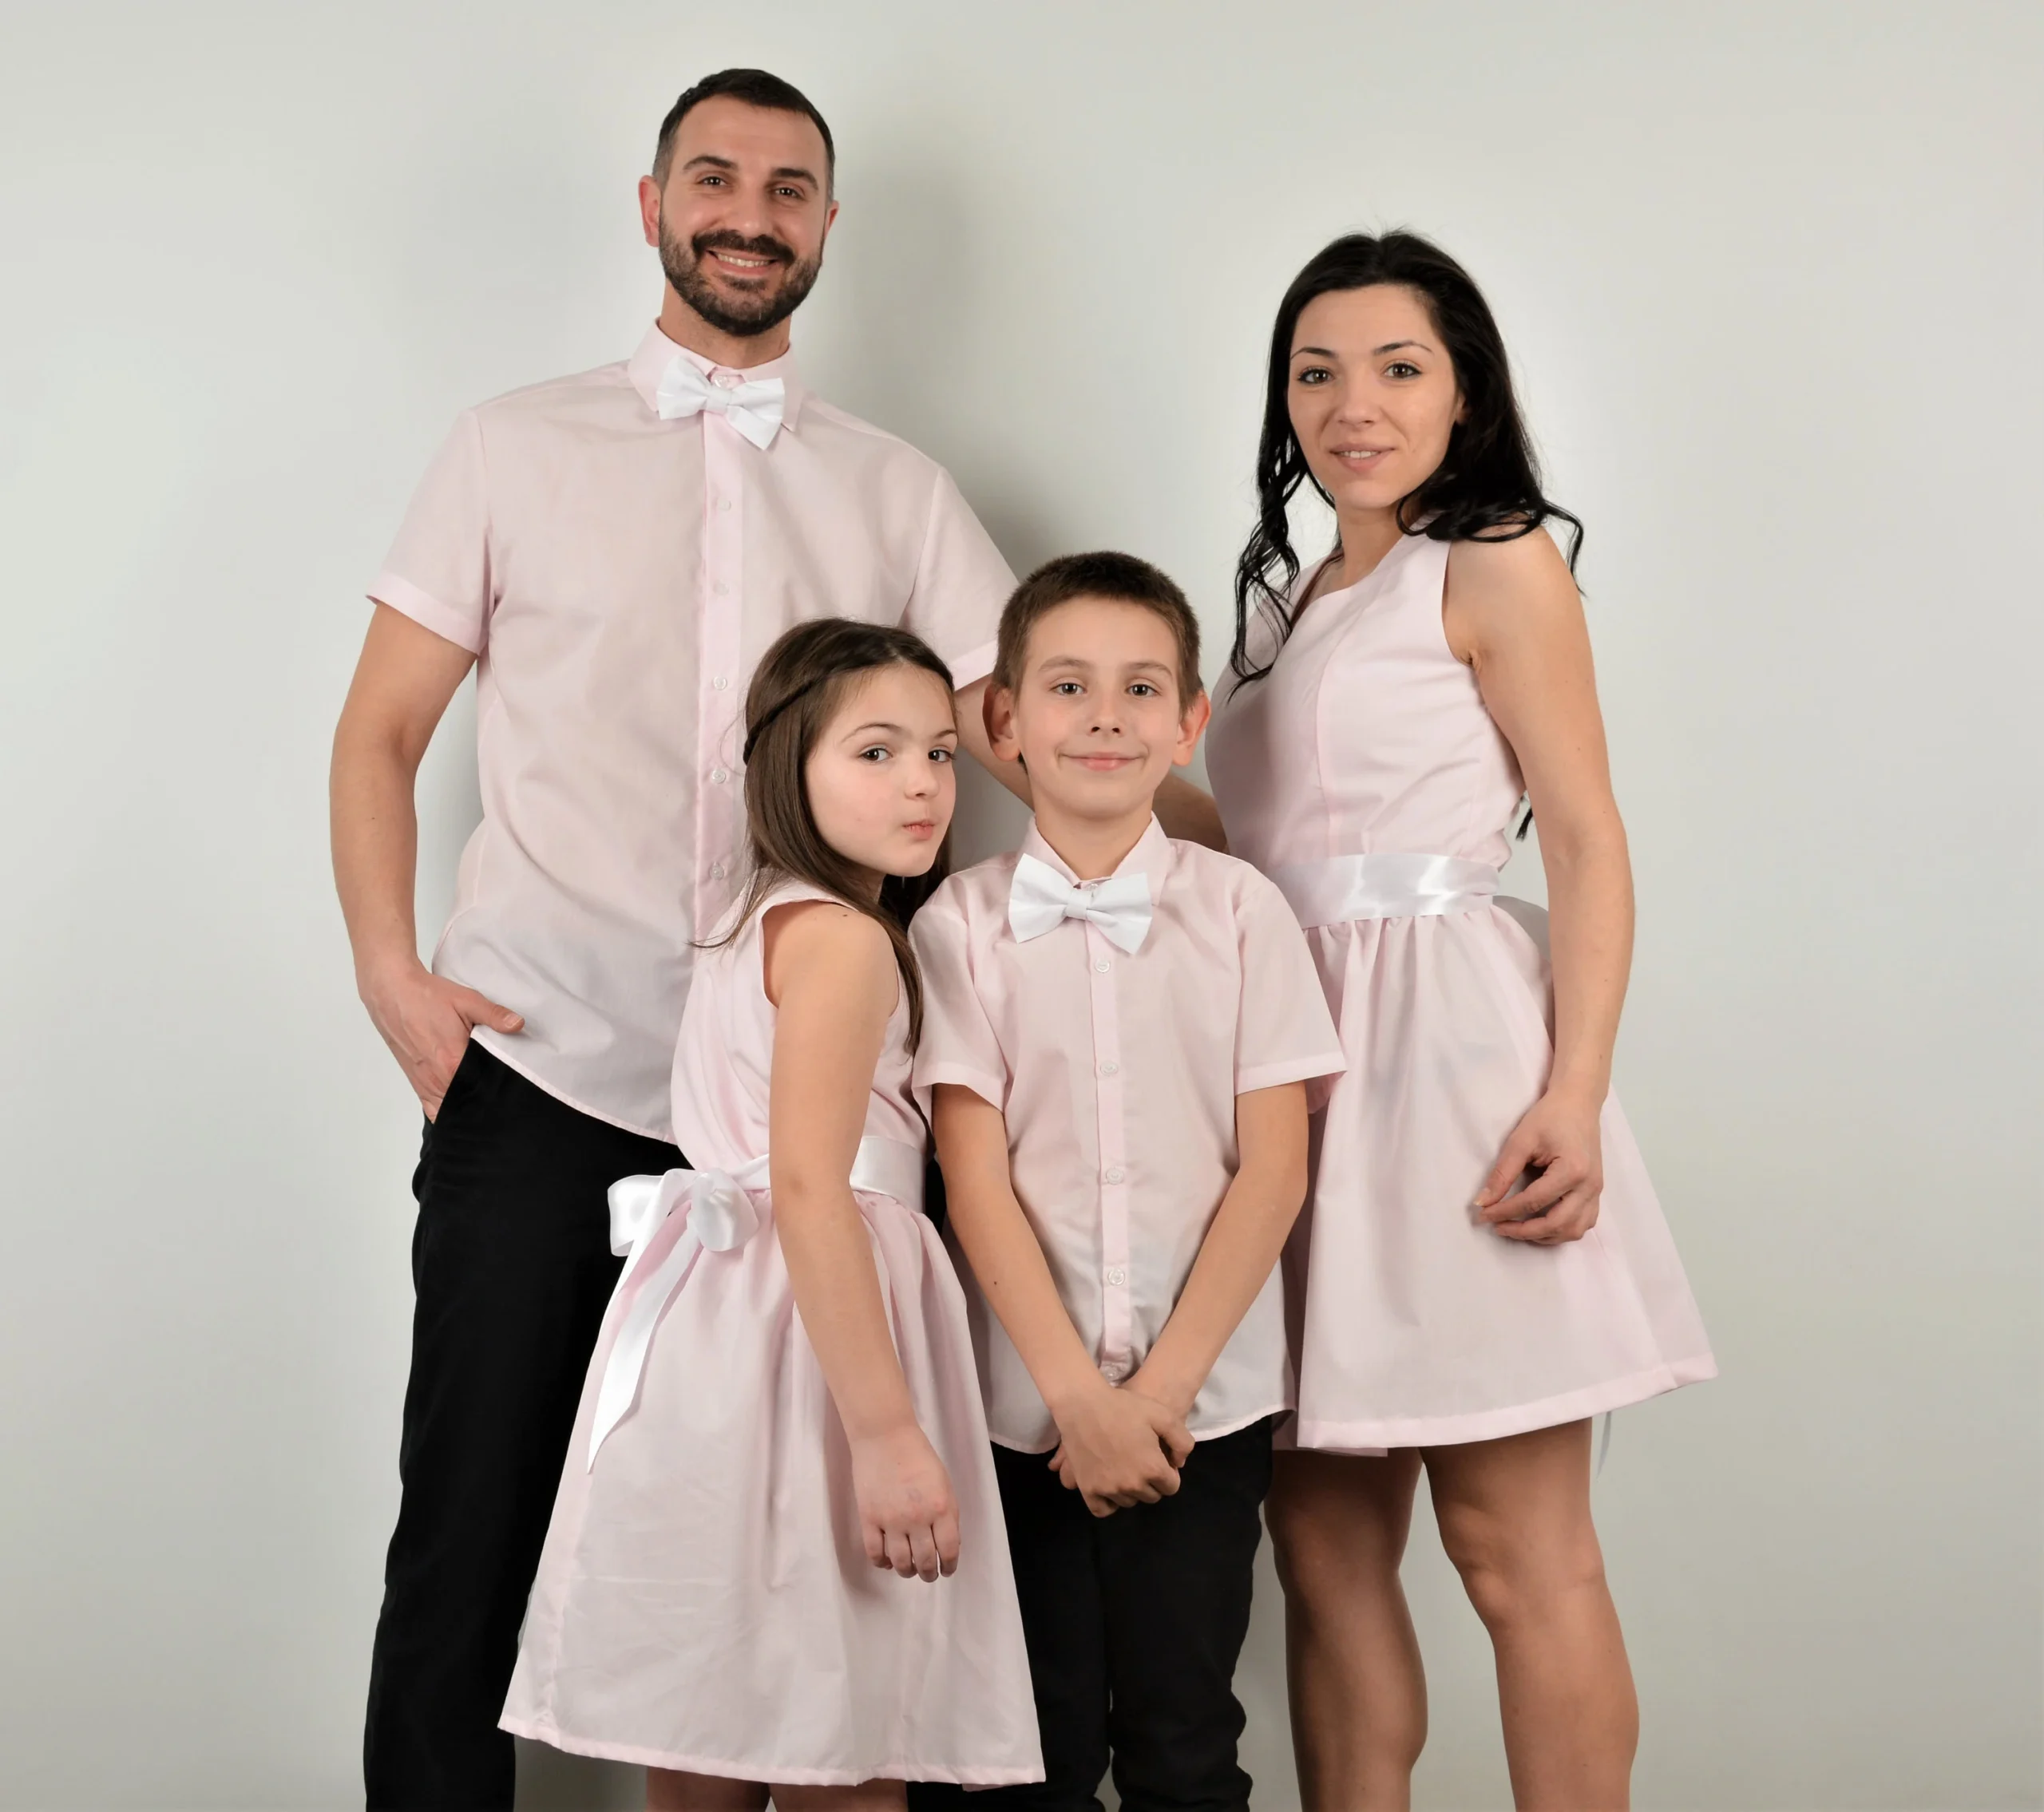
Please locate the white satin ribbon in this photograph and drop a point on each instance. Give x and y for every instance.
(1385, 886)
(722, 1217)
(753, 408)
(1040, 899)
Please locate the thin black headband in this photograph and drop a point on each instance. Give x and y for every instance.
(753, 735)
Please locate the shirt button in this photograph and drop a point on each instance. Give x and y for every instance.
(1115, 1175)
(723, 589)
(1110, 1069)
(1117, 1274)
(721, 683)
(716, 871)
(1102, 965)
(724, 506)
(1112, 1370)
(720, 775)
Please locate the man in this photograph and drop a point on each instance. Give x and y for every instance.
(613, 552)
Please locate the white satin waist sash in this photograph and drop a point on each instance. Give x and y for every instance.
(721, 1217)
(1389, 885)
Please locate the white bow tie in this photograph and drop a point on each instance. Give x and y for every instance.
(1041, 899)
(753, 408)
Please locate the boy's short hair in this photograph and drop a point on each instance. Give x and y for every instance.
(1122, 579)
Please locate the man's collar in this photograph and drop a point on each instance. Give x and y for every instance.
(656, 352)
(1150, 857)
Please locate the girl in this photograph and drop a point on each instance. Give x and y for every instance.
(1481, 1266)
(777, 1559)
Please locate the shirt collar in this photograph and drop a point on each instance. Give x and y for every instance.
(656, 352)
(1152, 857)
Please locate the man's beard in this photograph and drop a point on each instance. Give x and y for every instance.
(747, 316)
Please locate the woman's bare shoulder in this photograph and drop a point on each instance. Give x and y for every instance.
(1507, 588)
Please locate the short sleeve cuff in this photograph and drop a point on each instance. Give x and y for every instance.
(1293, 1070)
(969, 670)
(427, 611)
(989, 1089)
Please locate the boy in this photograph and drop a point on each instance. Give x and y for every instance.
(1118, 1032)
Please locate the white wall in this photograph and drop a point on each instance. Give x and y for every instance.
(1772, 275)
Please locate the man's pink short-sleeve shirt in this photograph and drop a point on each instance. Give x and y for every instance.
(1117, 1075)
(619, 576)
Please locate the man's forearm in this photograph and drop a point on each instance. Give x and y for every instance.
(1190, 815)
(375, 842)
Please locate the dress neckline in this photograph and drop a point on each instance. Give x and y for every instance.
(1314, 605)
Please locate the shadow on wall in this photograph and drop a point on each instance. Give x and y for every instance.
(550, 1781)
(916, 338)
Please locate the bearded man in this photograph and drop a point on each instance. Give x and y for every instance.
(612, 552)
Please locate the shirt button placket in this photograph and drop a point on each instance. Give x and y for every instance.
(720, 647)
(1118, 1357)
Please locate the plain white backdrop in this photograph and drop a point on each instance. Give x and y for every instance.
(1772, 276)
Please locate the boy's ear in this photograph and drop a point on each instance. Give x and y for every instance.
(997, 713)
(1192, 725)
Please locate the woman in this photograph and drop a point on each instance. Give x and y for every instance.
(1483, 1267)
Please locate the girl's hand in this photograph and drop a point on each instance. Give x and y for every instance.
(907, 1511)
(1560, 1138)
(1117, 1448)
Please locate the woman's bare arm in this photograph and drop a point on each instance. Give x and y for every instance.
(1513, 612)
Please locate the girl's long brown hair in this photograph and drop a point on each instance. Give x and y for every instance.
(800, 683)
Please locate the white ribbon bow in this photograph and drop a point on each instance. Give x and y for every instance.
(1041, 899)
(721, 1217)
(753, 408)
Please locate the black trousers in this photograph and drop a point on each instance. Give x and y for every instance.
(1134, 1624)
(511, 1268)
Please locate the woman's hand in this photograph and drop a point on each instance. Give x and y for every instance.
(1560, 1139)
(907, 1511)
(1117, 1448)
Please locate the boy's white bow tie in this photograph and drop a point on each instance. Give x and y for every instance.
(1041, 899)
(753, 408)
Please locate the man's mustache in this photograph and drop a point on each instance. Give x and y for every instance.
(763, 246)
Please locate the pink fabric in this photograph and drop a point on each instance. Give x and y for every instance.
(1117, 1076)
(1412, 1324)
(705, 1600)
(620, 576)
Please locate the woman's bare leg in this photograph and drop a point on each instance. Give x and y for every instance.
(1359, 1697)
(668, 1789)
(868, 1796)
(1514, 1517)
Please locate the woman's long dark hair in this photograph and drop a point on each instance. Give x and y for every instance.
(1487, 485)
(800, 683)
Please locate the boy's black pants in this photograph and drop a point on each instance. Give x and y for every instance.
(1134, 1624)
(512, 1266)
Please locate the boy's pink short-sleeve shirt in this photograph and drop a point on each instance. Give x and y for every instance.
(619, 576)
(1117, 1075)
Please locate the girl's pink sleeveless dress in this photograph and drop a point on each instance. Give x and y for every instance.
(1412, 1324)
(705, 1600)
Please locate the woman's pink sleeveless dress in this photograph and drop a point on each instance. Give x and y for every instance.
(704, 1601)
(1412, 1324)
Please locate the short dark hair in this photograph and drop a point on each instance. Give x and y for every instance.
(1122, 578)
(756, 88)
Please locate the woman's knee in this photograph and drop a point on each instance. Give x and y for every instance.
(1515, 1568)
(1329, 1528)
